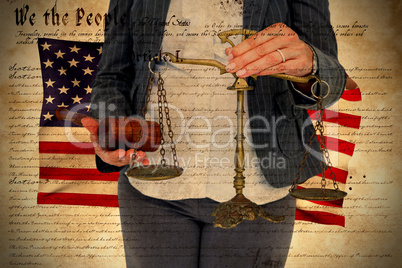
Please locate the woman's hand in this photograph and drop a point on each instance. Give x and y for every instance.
(118, 157)
(259, 55)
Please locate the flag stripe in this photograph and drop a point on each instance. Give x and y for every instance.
(352, 95)
(78, 199)
(341, 132)
(340, 174)
(67, 161)
(315, 182)
(306, 206)
(320, 217)
(334, 203)
(61, 134)
(347, 120)
(339, 145)
(339, 160)
(66, 148)
(82, 187)
(76, 174)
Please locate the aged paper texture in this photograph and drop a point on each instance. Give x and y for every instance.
(81, 236)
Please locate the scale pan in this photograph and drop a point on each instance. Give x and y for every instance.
(318, 194)
(154, 172)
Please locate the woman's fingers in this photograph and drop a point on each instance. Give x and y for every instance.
(277, 49)
(258, 39)
(142, 158)
(265, 63)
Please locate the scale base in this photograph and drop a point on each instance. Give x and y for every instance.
(231, 213)
(318, 194)
(154, 172)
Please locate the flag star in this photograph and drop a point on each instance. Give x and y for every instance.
(99, 50)
(88, 89)
(76, 99)
(63, 90)
(49, 100)
(73, 63)
(50, 83)
(46, 46)
(59, 54)
(89, 107)
(76, 82)
(62, 71)
(48, 116)
(74, 49)
(89, 58)
(88, 71)
(62, 105)
(48, 63)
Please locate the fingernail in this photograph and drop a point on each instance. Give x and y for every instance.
(230, 66)
(241, 72)
(230, 57)
(228, 51)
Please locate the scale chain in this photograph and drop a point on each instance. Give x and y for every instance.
(325, 159)
(148, 96)
(160, 110)
(319, 126)
(163, 101)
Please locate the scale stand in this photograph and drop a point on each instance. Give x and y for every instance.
(231, 213)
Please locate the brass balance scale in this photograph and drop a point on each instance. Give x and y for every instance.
(231, 213)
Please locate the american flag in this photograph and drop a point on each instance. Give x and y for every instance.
(67, 172)
(68, 175)
(341, 129)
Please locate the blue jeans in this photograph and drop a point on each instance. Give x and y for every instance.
(180, 233)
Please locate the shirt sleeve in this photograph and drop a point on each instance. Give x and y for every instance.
(116, 70)
(112, 86)
(311, 21)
